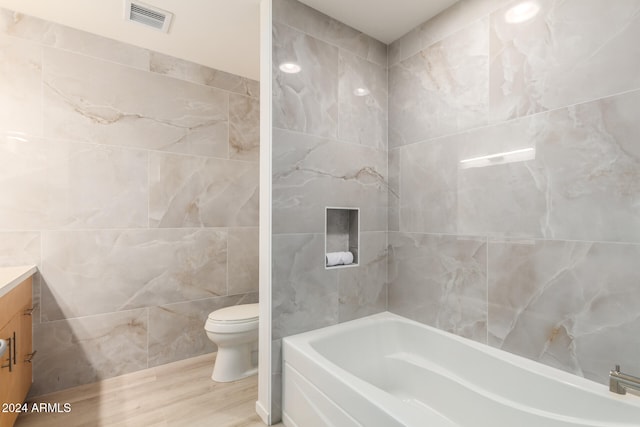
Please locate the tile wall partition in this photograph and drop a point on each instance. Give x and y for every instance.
(536, 252)
(329, 149)
(131, 179)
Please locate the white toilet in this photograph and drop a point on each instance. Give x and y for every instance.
(235, 331)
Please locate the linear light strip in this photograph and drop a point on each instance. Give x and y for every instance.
(493, 156)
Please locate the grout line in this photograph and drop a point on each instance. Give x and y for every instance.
(148, 190)
(148, 52)
(227, 261)
(95, 315)
(148, 333)
(491, 238)
(487, 115)
(42, 107)
(121, 229)
(331, 139)
(514, 239)
(40, 278)
(402, 57)
(229, 128)
(134, 148)
(515, 119)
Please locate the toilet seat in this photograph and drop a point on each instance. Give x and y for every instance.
(241, 313)
(234, 319)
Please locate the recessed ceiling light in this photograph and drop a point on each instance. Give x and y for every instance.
(290, 67)
(361, 91)
(522, 12)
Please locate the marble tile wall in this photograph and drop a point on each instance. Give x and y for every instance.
(131, 179)
(329, 150)
(532, 252)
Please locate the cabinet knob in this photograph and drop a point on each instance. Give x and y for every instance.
(29, 311)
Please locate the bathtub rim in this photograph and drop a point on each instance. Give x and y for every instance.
(302, 344)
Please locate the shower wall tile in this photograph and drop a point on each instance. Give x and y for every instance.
(92, 100)
(582, 184)
(276, 397)
(440, 281)
(36, 298)
(456, 18)
(20, 85)
(58, 184)
(519, 204)
(572, 51)
(404, 47)
(242, 276)
(107, 187)
(362, 119)
(35, 175)
(276, 356)
(318, 25)
(362, 290)
(19, 248)
(566, 304)
(66, 38)
(188, 191)
(88, 349)
(311, 173)
(306, 101)
(434, 207)
(441, 90)
(244, 128)
(394, 189)
(196, 73)
(176, 331)
(304, 293)
(92, 272)
(579, 182)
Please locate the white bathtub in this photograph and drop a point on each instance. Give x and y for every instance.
(385, 370)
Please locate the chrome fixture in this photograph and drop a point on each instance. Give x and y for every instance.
(620, 382)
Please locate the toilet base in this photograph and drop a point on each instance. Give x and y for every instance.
(234, 363)
(246, 374)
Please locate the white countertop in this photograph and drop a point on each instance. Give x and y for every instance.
(10, 277)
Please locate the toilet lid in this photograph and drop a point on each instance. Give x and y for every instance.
(236, 313)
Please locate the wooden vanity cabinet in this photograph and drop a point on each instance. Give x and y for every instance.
(5, 375)
(16, 327)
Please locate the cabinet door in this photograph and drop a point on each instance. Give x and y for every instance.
(24, 344)
(11, 388)
(6, 333)
(15, 384)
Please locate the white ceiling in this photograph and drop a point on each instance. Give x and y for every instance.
(385, 20)
(223, 34)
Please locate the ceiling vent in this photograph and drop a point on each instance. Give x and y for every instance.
(149, 16)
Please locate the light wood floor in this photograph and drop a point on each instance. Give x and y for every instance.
(177, 394)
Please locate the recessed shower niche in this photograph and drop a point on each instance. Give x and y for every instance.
(342, 237)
